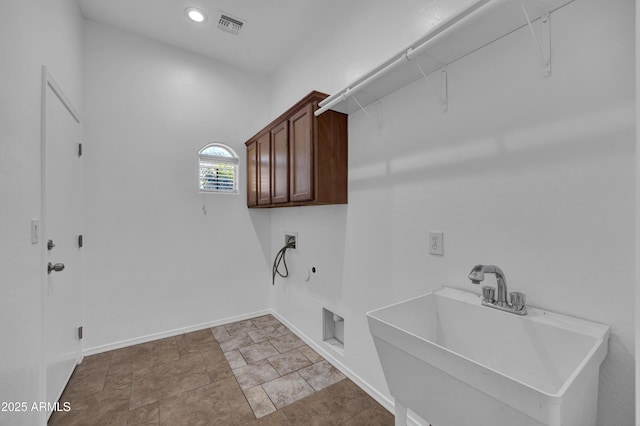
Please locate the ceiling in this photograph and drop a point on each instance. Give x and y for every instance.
(273, 29)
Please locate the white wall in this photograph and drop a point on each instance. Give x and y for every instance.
(534, 175)
(32, 34)
(155, 261)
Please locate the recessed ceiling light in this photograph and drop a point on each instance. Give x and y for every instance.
(196, 15)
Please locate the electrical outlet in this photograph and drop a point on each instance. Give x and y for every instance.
(436, 243)
(289, 236)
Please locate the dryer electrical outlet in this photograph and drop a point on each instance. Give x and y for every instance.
(436, 243)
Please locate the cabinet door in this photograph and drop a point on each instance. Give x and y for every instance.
(280, 164)
(301, 155)
(263, 147)
(252, 174)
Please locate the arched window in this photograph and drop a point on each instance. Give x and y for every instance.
(218, 169)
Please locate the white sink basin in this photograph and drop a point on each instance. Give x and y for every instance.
(455, 362)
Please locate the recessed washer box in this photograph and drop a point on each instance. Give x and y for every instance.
(333, 330)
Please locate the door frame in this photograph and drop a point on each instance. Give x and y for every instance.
(48, 82)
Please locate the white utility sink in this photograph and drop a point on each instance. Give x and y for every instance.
(455, 362)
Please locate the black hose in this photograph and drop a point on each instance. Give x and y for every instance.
(276, 263)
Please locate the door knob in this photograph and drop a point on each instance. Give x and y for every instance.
(57, 267)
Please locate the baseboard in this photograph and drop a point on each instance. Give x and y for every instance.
(171, 333)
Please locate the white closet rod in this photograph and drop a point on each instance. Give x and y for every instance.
(361, 84)
(417, 48)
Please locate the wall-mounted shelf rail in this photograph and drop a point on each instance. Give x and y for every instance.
(467, 31)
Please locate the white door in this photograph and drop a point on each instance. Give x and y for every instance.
(62, 224)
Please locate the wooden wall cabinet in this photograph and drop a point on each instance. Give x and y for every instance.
(263, 171)
(299, 159)
(301, 154)
(252, 172)
(280, 163)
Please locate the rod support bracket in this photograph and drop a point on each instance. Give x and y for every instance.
(545, 22)
(443, 89)
(378, 122)
(544, 41)
(442, 94)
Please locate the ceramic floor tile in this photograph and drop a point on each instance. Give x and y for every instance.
(101, 408)
(343, 401)
(263, 334)
(220, 333)
(142, 349)
(259, 401)
(215, 362)
(374, 416)
(258, 351)
(255, 374)
(142, 356)
(106, 415)
(311, 410)
(240, 327)
(88, 377)
(200, 337)
(119, 383)
(310, 354)
(282, 329)
(289, 361)
(235, 359)
(321, 374)
(165, 380)
(184, 348)
(190, 343)
(95, 361)
(276, 418)
(287, 389)
(145, 414)
(221, 403)
(308, 412)
(235, 342)
(287, 342)
(265, 321)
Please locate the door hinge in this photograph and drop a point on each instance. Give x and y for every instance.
(80, 333)
(79, 150)
(80, 241)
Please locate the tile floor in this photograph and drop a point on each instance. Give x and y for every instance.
(253, 372)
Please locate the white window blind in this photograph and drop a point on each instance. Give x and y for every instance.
(218, 169)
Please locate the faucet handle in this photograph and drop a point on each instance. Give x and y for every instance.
(488, 293)
(517, 300)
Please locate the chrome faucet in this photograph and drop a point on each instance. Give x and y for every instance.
(517, 304)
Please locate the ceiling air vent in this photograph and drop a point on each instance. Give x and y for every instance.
(230, 23)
